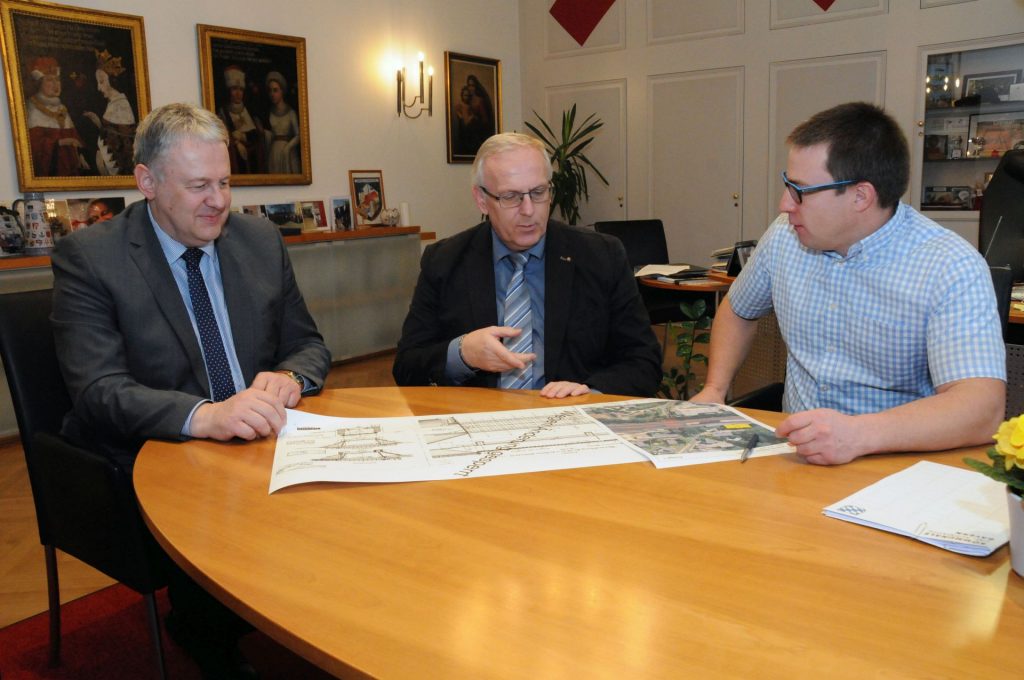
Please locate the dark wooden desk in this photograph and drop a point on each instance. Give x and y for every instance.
(624, 571)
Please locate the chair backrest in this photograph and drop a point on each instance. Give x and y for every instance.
(1001, 223)
(30, 361)
(1002, 281)
(644, 240)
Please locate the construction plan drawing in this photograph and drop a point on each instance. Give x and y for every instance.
(315, 448)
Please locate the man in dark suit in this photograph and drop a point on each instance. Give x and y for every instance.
(179, 319)
(521, 301)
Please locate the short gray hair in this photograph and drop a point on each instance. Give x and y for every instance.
(167, 126)
(502, 142)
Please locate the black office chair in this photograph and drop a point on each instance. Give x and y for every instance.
(644, 241)
(1001, 222)
(766, 398)
(1002, 281)
(85, 503)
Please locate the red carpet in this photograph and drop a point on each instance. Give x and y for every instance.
(106, 636)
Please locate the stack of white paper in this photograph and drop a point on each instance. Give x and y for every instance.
(953, 508)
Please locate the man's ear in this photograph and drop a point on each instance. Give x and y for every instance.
(481, 199)
(145, 180)
(864, 196)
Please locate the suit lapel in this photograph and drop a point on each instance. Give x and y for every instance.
(479, 282)
(149, 258)
(238, 301)
(559, 271)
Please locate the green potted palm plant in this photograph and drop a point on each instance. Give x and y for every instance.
(569, 176)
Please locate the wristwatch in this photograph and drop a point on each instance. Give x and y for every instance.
(294, 376)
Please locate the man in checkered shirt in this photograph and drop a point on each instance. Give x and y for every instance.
(889, 319)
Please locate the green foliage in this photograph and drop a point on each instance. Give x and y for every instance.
(676, 382)
(997, 471)
(569, 178)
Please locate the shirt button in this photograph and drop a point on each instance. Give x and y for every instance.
(824, 388)
(833, 306)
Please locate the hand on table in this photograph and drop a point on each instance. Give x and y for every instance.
(708, 395)
(483, 350)
(823, 436)
(563, 388)
(249, 414)
(279, 385)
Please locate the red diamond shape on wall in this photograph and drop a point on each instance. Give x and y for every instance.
(824, 4)
(580, 17)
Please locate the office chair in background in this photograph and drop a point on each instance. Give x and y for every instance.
(85, 503)
(644, 241)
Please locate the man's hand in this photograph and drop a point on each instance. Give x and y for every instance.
(249, 414)
(824, 436)
(563, 388)
(278, 385)
(482, 350)
(708, 395)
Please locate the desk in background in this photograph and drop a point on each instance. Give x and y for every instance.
(624, 571)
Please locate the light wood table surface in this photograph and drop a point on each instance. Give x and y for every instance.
(623, 571)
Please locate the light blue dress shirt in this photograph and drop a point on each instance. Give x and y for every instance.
(456, 369)
(209, 266)
(908, 308)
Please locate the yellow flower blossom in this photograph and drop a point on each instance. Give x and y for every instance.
(1010, 442)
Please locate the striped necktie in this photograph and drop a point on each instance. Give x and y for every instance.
(518, 315)
(209, 334)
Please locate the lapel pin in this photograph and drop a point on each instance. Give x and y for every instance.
(565, 258)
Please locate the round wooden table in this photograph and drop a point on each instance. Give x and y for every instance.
(623, 571)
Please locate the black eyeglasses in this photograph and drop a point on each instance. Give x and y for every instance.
(797, 192)
(514, 199)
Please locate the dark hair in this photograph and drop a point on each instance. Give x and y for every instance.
(864, 144)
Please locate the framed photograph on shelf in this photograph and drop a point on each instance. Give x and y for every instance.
(256, 83)
(367, 187)
(991, 87)
(341, 213)
(472, 103)
(993, 134)
(77, 86)
(935, 147)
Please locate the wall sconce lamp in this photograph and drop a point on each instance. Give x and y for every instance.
(424, 104)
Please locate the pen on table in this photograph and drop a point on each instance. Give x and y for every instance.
(751, 443)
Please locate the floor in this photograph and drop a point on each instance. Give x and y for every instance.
(22, 574)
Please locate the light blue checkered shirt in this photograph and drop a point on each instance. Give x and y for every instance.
(910, 307)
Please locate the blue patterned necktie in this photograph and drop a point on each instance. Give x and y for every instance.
(209, 334)
(518, 315)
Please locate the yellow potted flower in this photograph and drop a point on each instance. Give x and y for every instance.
(1008, 467)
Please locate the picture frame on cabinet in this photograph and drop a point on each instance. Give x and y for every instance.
(341, 211)
(367, 187)
(947, 198)
(993, 134)
(77, 85)
(256, 84)
(472, 103)
(991, 87)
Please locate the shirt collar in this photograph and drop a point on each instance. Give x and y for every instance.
(879, 240)
(173, 250)
(499, 250)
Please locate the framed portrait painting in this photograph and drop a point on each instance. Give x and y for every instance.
(367, 187)
(76, 86)
(256, 83)
(472, 103)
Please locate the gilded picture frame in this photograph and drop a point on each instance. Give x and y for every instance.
(256, 83)
(472, 103)
(77, 85)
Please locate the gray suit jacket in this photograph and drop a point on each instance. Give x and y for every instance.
(129, 355)
(596, 329)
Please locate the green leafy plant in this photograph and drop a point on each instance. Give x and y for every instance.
(1007, 456)
(696, 329)
(569, 177)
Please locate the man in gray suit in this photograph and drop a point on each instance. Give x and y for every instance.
(180, 319)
